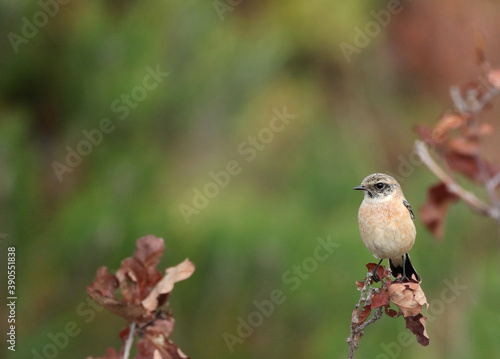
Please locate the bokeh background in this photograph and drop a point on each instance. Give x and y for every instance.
(230, 65)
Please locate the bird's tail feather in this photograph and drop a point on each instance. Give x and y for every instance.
(398, 269)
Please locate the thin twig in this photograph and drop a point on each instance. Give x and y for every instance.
(494, 181)
(357, 331)
(468, 197)
(487, 179)
(130, 339)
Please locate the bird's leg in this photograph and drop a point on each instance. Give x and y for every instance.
(374, 273)
(403, 277)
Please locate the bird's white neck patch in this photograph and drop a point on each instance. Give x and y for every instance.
(377, 199)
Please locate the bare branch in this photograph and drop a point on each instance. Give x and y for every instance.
(357, 331)
(130, 340)
(494, 181)
(468, 197)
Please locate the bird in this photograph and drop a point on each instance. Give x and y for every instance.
(386, 225)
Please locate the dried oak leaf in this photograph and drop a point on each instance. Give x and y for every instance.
(464, 145)
(381, 299)
(360, 284)
(142, 290)
(392, 313)
(138, 274)
(102, 291)
(135, 278)
(365, 312)
(156, 344)
(433, 212)
(408, 296)
(446, 123)
(382, 272)
(464, 163)
(417, 326)
(175, 274)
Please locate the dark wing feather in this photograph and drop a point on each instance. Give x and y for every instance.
(407, 205)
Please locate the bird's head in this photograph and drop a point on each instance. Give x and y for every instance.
(379, 187)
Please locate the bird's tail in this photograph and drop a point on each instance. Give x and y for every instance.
(398, 268)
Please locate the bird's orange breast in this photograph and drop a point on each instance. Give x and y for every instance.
(386, 228)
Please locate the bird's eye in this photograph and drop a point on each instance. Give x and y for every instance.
(380, 185)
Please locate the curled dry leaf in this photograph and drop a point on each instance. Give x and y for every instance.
(175, 274)
(466, 146)
(445, 124)
(360, 284)
(433, 212)
(138, 274)
(408, 296)
(382, 272)
(156, 344)
(392, 313)
(381, 299)
(362, 315)
(102, 291)
(143, 291)
(465, 163)
(417, 326)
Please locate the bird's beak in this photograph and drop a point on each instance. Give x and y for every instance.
(360, 188)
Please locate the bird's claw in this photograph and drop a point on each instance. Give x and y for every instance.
(401, 279)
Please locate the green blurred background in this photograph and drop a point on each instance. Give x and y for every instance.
(230, 65)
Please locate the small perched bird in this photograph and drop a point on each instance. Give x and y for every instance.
(386, 224)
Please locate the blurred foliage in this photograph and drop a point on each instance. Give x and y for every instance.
(226, 75)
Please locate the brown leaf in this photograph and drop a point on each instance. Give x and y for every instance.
(365, 312)
(139, 280)
(408, 296)
(433, 212)
(467, 146)
(156, 343)
(417, 326)
(102, 291)
(360, 284)
(105, 283)
(463, 163)
(392, 313)
(445, 124)
(175, 274)
(138, 274)
(419, 297)
(381, 299)
(381, 270)
(149, 250)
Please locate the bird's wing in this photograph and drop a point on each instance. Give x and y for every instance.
(407, 205)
